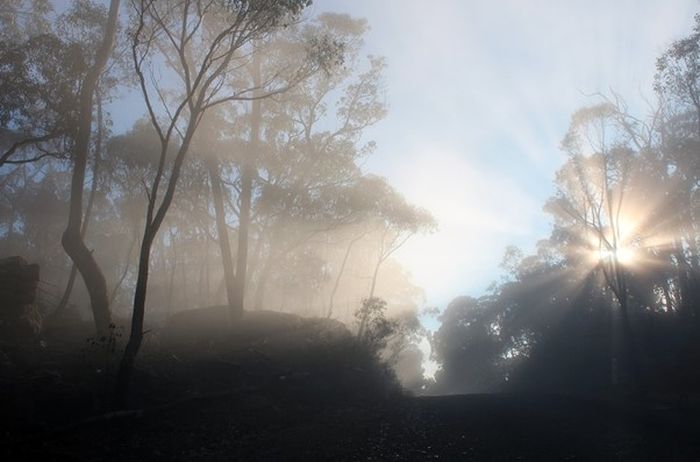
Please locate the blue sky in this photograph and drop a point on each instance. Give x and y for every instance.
(480, 94)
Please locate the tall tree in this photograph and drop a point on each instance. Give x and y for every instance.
(309, 158)
(72, 238)
(247, 173)
(282, 57)
(397, 222)
(201, 42)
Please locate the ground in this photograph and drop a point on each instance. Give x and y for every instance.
(256, 426)
(310, 394)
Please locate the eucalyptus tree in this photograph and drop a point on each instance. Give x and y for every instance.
(131, 162)
(677, 84)
(261, 143)
(396, 222)
(678, 74)
(52, 69)
(362, 201)
(39, 81)
(301, 222)
(201, 44)
(22, 19)
(72, 239)
(598, 203)
(624, 243)
(313, 143)
(82, 25)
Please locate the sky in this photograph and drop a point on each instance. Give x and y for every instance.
(480, 94)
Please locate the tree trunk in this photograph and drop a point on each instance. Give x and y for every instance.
(126, 367)
(636, 379)
(247, 173)
(154, 220)
(63, 302)
(171, 281)
(685, 303)
(237, 306)
(262, 283)
(207, 273)
(88, 210)
(9, 236)
(373, 286)
(222, 230)
(72, 240)
(374, 279)
(340, 275)
(272, 256)
(363, 322)
(184, 303)
(120, 281)
(200, 282)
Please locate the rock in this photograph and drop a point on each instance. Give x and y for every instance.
(20, 321)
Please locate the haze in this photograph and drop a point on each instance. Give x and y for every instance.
(325, 230)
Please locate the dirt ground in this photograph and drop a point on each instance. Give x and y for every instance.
(258, 426)
(301, 396)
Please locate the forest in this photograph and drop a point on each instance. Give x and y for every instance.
(196, 263)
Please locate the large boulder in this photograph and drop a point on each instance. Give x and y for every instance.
(20, 321)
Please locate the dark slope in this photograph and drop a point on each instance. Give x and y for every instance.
(259, 425)
(289, 388)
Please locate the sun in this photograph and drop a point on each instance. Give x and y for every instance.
(624, 255)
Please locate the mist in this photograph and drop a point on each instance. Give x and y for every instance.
(278, 230)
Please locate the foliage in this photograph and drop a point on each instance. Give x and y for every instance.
(611, 295)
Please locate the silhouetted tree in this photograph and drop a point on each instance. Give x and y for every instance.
(201, 43)
(72, 238)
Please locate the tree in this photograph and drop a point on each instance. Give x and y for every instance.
(295, 154)
(468, 347)
(282, 60)
(593, 194)
(88, 209)
(39, 82)
(397, 222)
(374, 328)
(678, 73)
(341, 269)
(331, 50)
(201, 42)
(312, 160)
(72, 238)
(22, 19)
(677, 83)
(247, 172)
